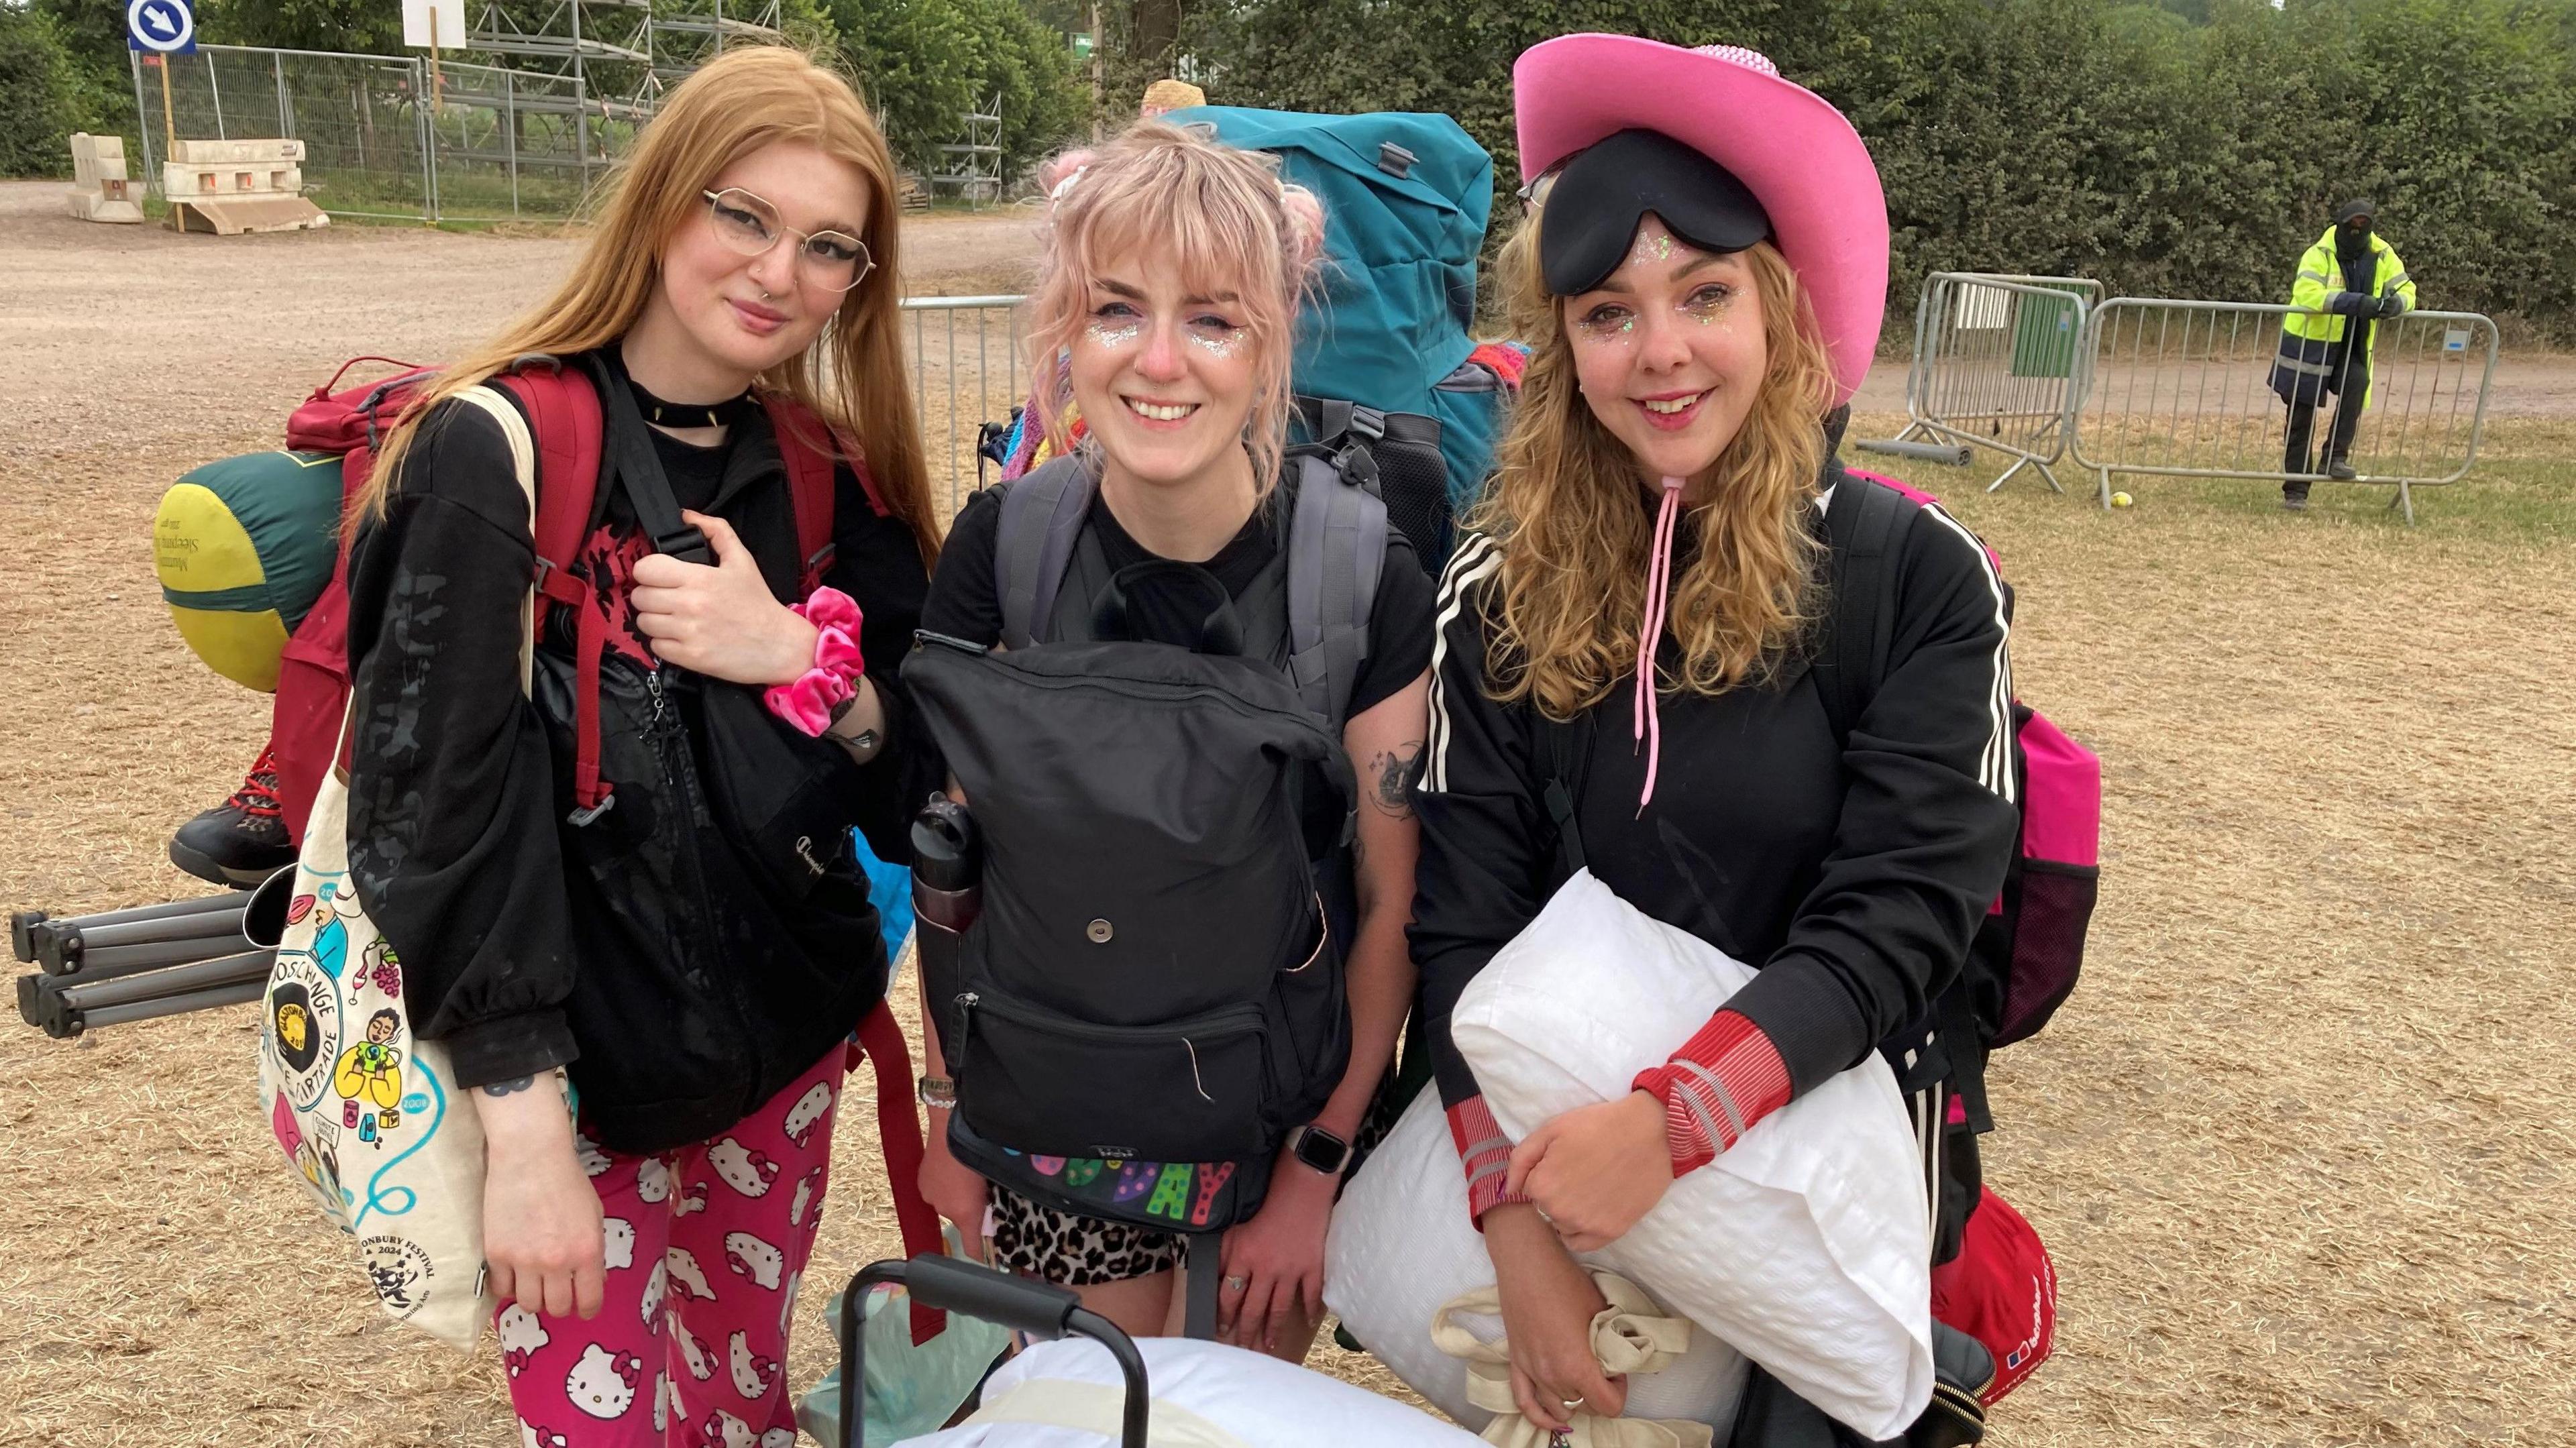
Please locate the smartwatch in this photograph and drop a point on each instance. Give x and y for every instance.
(1319, 1149)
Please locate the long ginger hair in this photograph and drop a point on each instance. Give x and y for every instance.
(853, 376)
(1220, 216)
(1570, 515)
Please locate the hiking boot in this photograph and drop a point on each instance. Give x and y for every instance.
(242, 841)
(2294, 498)
(2340, 469)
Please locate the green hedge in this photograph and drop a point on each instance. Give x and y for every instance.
(2182, 150)
(35, 95)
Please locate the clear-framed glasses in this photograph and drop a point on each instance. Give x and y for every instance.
(1533, 195)
(833, 260)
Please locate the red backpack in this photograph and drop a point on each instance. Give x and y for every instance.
(564, 416)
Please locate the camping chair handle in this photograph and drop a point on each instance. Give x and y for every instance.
(1040, 1309)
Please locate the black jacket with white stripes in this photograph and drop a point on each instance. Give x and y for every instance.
(1852, 874)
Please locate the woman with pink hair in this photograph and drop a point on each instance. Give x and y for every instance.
(1168, 293)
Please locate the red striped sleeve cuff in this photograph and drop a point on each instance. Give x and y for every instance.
(1715, 1087)
(1485, 1153)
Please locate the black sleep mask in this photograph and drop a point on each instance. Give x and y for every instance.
(1589, 211)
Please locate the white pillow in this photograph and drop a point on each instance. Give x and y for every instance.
(1206, 1395)
(1401, 1245)
(1808, 1244)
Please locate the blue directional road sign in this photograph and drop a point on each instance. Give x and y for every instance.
(166, 27)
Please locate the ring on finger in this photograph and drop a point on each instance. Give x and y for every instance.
(1237, 1284)
(1570, 1404)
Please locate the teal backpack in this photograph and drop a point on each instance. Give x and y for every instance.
(1406, 198)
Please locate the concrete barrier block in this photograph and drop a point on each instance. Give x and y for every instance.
(202, 154)
(97, 206)
(96, 159)
(180, 180)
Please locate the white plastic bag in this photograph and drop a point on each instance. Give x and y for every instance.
(1401, 1247)
(1807, 1245)
(1206, 1395)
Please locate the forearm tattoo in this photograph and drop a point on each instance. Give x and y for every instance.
(1390, 779)
(510, 1087)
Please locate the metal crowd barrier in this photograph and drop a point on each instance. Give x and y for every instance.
(2183, 389)
(966, 371)
(1994, 365)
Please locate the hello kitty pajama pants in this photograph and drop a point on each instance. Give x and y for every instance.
(705, 1248)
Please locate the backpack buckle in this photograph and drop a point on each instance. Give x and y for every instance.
(688, 544)
(580, 817)
(1356, 464)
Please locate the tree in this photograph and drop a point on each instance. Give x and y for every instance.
(35, 95)
(925, 63)
(365, 27)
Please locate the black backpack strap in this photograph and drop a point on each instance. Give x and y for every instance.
(1201, 1269)
(1565, 748)
(628, 453)
(1042, 514)
(1861, 525)
(1336, 551)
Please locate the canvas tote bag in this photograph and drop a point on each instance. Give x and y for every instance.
(372, 1117)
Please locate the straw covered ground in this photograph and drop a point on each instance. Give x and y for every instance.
(2299, 1144)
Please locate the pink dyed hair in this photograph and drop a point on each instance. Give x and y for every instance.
(1222, 216)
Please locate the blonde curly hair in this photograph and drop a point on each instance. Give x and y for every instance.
(1567, 510)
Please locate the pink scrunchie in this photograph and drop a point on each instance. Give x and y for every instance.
(807, 703)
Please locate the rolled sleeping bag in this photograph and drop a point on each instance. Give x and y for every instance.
(243, 546)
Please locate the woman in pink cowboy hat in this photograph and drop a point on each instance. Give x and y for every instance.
(1634, 618)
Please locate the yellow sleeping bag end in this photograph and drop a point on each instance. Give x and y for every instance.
(243, 546)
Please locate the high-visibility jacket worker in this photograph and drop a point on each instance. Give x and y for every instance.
(2347, 283)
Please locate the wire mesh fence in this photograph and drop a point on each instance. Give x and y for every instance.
(1994, 367)
(393, 136)
(2045, 371)
(966, 372)
(2185, 388)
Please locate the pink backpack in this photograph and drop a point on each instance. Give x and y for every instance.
(2027, 956)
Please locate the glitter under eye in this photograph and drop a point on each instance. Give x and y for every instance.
(1222, 344)
(1118, 335)
(1605, 330)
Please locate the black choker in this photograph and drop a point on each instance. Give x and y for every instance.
(687, 414)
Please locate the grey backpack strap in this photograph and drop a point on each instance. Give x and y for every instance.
(1336, 549)
(1042, 513)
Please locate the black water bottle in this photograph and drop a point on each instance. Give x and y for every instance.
(947, 893)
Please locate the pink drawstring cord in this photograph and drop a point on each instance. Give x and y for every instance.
(1650, 630)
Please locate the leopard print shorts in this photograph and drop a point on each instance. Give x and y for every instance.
(1075, 1251)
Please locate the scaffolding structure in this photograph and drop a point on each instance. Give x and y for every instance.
(611, 59)
(974, 159)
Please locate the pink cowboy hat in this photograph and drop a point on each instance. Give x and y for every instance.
(1788, 145)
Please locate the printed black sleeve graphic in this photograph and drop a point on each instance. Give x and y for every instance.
(451, 808)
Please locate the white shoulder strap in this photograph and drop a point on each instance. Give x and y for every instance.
(523, 463)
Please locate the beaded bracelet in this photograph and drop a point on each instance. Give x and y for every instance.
(808, 702)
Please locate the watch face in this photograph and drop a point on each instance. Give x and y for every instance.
(1322, 1150)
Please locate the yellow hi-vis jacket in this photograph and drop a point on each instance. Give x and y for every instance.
(2302, 370)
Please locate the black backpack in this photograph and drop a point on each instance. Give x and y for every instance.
(1151, 996)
